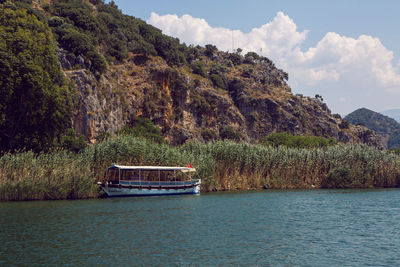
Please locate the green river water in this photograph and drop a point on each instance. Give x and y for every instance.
(261, 228)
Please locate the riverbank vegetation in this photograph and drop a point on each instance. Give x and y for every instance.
(221, 165)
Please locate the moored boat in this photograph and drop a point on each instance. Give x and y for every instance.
(149, 181)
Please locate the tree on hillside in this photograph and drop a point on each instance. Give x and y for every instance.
(36, 102)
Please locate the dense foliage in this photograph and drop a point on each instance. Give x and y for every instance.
(36, 101)
(70, 141)
(103, 27)
(144, 128)
(107, 27)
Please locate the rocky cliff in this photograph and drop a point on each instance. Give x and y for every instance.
(189, 106)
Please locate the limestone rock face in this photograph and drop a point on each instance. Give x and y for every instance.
(95, 112)
(187, 106)
(98, 106)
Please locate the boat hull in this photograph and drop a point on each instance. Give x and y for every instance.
(127, 191)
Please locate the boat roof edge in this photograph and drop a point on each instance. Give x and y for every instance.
(152, 168)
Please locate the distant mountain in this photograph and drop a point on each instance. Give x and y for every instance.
(386, 127)
(392, 113)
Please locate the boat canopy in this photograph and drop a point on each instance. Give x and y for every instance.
(152, 168)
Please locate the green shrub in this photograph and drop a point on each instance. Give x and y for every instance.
(236, 89)
(235, 58)
(277, 139)
(103, 136)
(216, 68)
(145, 128)
(200, 103)
(285, 76)
(228, 132)
(192, 53)
(99, 64)
(198, 67)
(210, 49)
(247, 72)
(169, 49)
(337, 116)
(251, 57)
(142, 47)
(319, 97)
(217, 80)
(70, 141)
(80, 14)
(338, 177)
(74, 41)
(117, 48)
(80, 44)
(56, 21)
(208, 134)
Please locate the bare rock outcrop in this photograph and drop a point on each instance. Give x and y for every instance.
(187, 106)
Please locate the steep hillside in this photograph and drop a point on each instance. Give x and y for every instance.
(386, 127)
(123, 68)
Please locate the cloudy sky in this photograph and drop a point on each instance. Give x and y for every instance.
(348, 51)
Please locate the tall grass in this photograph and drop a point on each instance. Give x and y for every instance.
(253, 166)
(59, 175)
(221, 165)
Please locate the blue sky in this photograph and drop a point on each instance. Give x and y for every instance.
(351, 18)
(359, 72)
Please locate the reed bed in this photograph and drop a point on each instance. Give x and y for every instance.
(245, 166)
(222, 165)
(57, 175)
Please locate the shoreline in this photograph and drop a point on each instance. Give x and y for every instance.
(103, 196)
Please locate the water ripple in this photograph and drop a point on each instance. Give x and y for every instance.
(266, 228)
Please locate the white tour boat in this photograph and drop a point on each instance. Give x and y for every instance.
(149, 181)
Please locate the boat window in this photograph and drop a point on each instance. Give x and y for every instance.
(129, 175)
(146, 175)
(150, 175)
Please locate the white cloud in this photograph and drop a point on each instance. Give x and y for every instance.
(359, 70)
